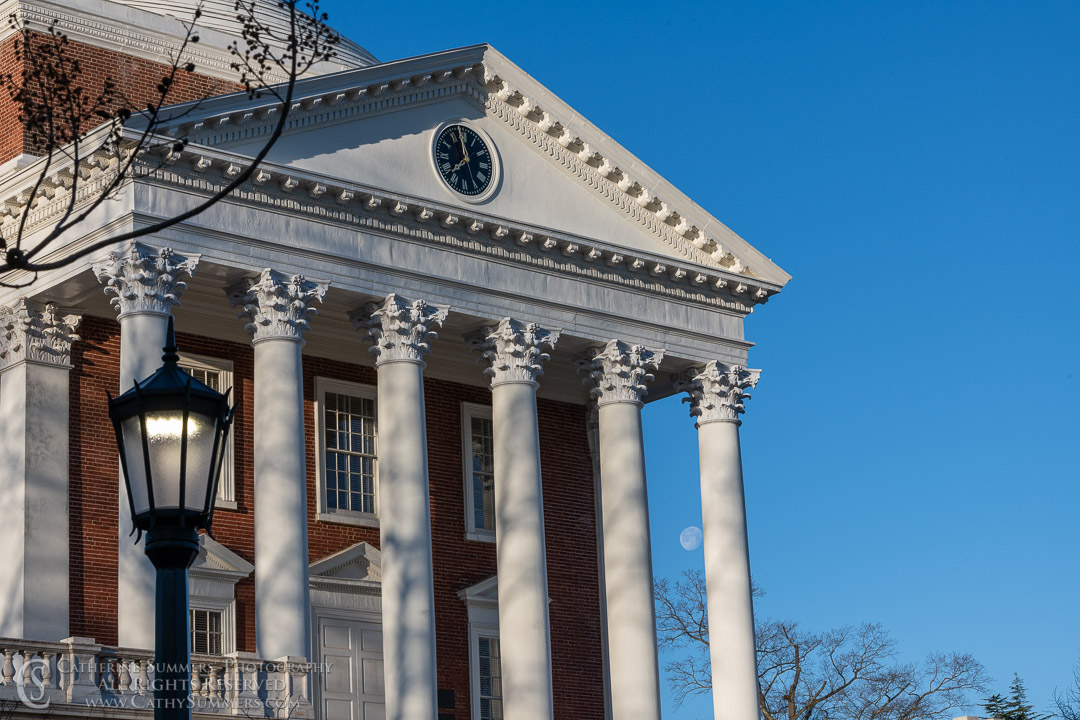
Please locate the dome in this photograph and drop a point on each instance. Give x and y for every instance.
(220, 16)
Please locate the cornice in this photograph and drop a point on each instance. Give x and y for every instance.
(381, 212)
(113, 34)
(379, 89)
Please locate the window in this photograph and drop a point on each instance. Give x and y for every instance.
(217, 374)
(348, 465)
(485, 656)
(478, 453)
(490, 676)
(212, 582)
(206, 632)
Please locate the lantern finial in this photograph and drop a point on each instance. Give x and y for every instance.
(170, 357)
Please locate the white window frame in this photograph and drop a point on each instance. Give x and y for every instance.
(323, 513)
(482, 608)
(212, 586)
(468, 412)
(226, 495)
(227, 608)
(475, 633)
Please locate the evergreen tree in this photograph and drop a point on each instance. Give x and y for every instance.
(1015, 707)
(996, 706)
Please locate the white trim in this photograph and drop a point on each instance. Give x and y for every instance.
(226, 496)
(323, 513)
(482, 603)
(468, 412)
(227, 608)
(214, 588)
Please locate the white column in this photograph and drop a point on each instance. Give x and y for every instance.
(35, 358)
(402, 332)
(716, 393)
(514, 352)
(146, 283)
(618, 373)
(277, 308)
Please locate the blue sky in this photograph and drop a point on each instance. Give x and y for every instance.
(911, 452)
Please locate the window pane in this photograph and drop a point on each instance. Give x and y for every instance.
(483, 465)
(490, 679)
(207, 635)
(350, 452)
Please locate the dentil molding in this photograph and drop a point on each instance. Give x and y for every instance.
(276, 306)
(35, 332)
(513, 350)
(145, 280)
(717, 391)
(400, 329)
(619, 371)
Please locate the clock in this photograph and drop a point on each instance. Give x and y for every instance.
(465, 161)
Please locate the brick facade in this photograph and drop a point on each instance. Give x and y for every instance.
(138, 78)
(570, 520)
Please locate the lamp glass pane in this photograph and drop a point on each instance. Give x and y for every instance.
(164, 435)
(136, 464)
(201, 431)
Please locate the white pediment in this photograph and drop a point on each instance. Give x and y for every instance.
(216, 560)
(375, 127)
(483, 592)
(360, 562)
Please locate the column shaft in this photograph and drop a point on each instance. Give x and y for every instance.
(141, 337)
(401, 332)
(727, 573)
(34, 501)
(628, 578)
(146, 283)
(282, 604)
(408, 599)
(522, 558)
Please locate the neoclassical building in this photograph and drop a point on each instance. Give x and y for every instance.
(440, 305)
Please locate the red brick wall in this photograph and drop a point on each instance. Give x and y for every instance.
(570, 520)
(136, 77)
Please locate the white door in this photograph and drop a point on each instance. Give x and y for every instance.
(351, 684)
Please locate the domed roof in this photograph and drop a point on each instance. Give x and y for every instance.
(220, 15)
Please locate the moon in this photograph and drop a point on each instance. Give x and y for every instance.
(690, 538)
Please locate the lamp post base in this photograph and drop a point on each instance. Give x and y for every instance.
(172, 550)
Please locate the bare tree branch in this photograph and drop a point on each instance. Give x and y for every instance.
(106, 134)
(849, 673)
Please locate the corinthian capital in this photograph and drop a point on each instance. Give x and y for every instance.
(276, 305)
(33, 332)
(618, 371)
(717, 391)
(400, 329)
(513, 350)
(145, 280)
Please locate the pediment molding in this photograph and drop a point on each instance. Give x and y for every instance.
(360, 562)
(324, 199)
(215, 561)
(392, 86)
(485, 592)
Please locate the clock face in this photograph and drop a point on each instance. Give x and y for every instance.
(464, 160)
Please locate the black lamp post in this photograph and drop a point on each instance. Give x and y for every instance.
(171, 432)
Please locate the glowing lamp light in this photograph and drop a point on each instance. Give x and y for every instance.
(171, 431)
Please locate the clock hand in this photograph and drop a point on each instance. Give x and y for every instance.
(464, 152)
